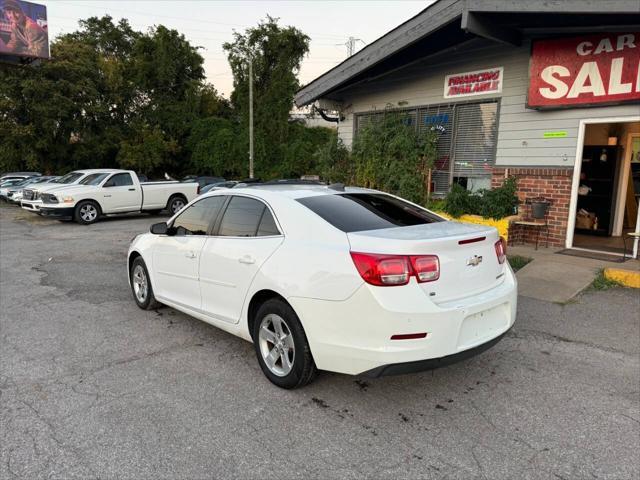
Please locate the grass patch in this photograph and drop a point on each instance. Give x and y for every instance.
(518, 261)
(603, 283)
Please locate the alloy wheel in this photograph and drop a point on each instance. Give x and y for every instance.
(176, 205)
(88, 213)
(276, 345)
(140, 284)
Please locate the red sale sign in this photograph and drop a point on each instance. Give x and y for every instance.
(586, 70)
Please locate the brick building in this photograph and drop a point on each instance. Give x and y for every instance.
(545, 91)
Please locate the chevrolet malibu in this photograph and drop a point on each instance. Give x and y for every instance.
(348, 280)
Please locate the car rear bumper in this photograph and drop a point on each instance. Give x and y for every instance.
(354, 336)
(62, 212)
(430, 363)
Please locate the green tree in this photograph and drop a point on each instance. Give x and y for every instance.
(390, 154)
(276, 53)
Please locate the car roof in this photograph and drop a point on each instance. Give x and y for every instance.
(293, 191)
(99, 170)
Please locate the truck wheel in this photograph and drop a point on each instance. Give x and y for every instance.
(86, 212)
(175, 204)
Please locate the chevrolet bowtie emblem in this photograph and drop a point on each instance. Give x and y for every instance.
(475, 261)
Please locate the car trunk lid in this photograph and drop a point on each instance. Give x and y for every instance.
(468, 261)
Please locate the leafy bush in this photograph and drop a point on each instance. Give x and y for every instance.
(334, 162)
(390, 154)
(458, 201)
(497, 203)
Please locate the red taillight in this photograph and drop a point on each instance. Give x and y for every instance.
(382, 270)
(426, 267)
(198, 190)
(391, 270)
(501, 250)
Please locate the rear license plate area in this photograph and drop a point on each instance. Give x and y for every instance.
(483, 326)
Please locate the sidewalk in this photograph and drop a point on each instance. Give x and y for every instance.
(559, 278)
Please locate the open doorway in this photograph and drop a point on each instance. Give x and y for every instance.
(606, 189)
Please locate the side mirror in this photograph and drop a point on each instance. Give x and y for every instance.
(159, 228)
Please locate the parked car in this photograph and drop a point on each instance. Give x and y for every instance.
(14, 193)
(202, 181)
(218, 186)
(349, 280)
(111, 191)
(7, 184)
(18, 175)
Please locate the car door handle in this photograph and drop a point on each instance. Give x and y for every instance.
(132, 189)
(190, 255)
(107, 196)
(247, 259)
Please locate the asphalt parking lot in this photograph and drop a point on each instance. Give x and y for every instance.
(93, 387)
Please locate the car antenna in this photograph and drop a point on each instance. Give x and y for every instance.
(337, 186)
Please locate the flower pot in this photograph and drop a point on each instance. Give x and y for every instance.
(539, 209)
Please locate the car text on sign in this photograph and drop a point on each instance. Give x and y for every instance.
(585, 70)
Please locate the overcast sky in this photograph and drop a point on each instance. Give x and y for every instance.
(210, 23)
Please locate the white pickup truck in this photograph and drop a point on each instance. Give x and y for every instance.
(31, 200)
(106, 192)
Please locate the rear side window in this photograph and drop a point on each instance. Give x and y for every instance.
(357, 212)
(195, 219)
(267, 225)
(246, 217)
(119, 180)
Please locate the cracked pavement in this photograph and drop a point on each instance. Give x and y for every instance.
(93, 387)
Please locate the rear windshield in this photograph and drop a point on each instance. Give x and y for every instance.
(357, 212)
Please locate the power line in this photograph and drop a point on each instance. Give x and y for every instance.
(186, 19)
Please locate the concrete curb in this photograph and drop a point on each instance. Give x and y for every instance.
(627, 278)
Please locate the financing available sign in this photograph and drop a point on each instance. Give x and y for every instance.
(479, 82)
(23, 29)
(585, 70)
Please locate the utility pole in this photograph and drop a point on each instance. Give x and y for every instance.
(351, 45)
(250, 117)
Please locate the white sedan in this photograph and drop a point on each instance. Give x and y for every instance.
(348, 280)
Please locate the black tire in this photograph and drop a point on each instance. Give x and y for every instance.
(175, 203)
(303, 368)
(148, 300)
(87, 212)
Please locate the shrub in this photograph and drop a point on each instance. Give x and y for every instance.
(458, 201)
(497, 203)
(390, 154)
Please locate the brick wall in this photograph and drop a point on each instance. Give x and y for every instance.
(553, 184)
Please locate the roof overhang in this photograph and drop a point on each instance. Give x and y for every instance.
(447, 23)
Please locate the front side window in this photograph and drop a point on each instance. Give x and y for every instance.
(195, 220)
(357, 212)
(119, 180)
(246, 217)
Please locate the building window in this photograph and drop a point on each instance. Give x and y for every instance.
(467, 137)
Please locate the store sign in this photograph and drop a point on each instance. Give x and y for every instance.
(585, 70)
(470, 84)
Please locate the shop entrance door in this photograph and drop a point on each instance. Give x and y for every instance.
(606, 187)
